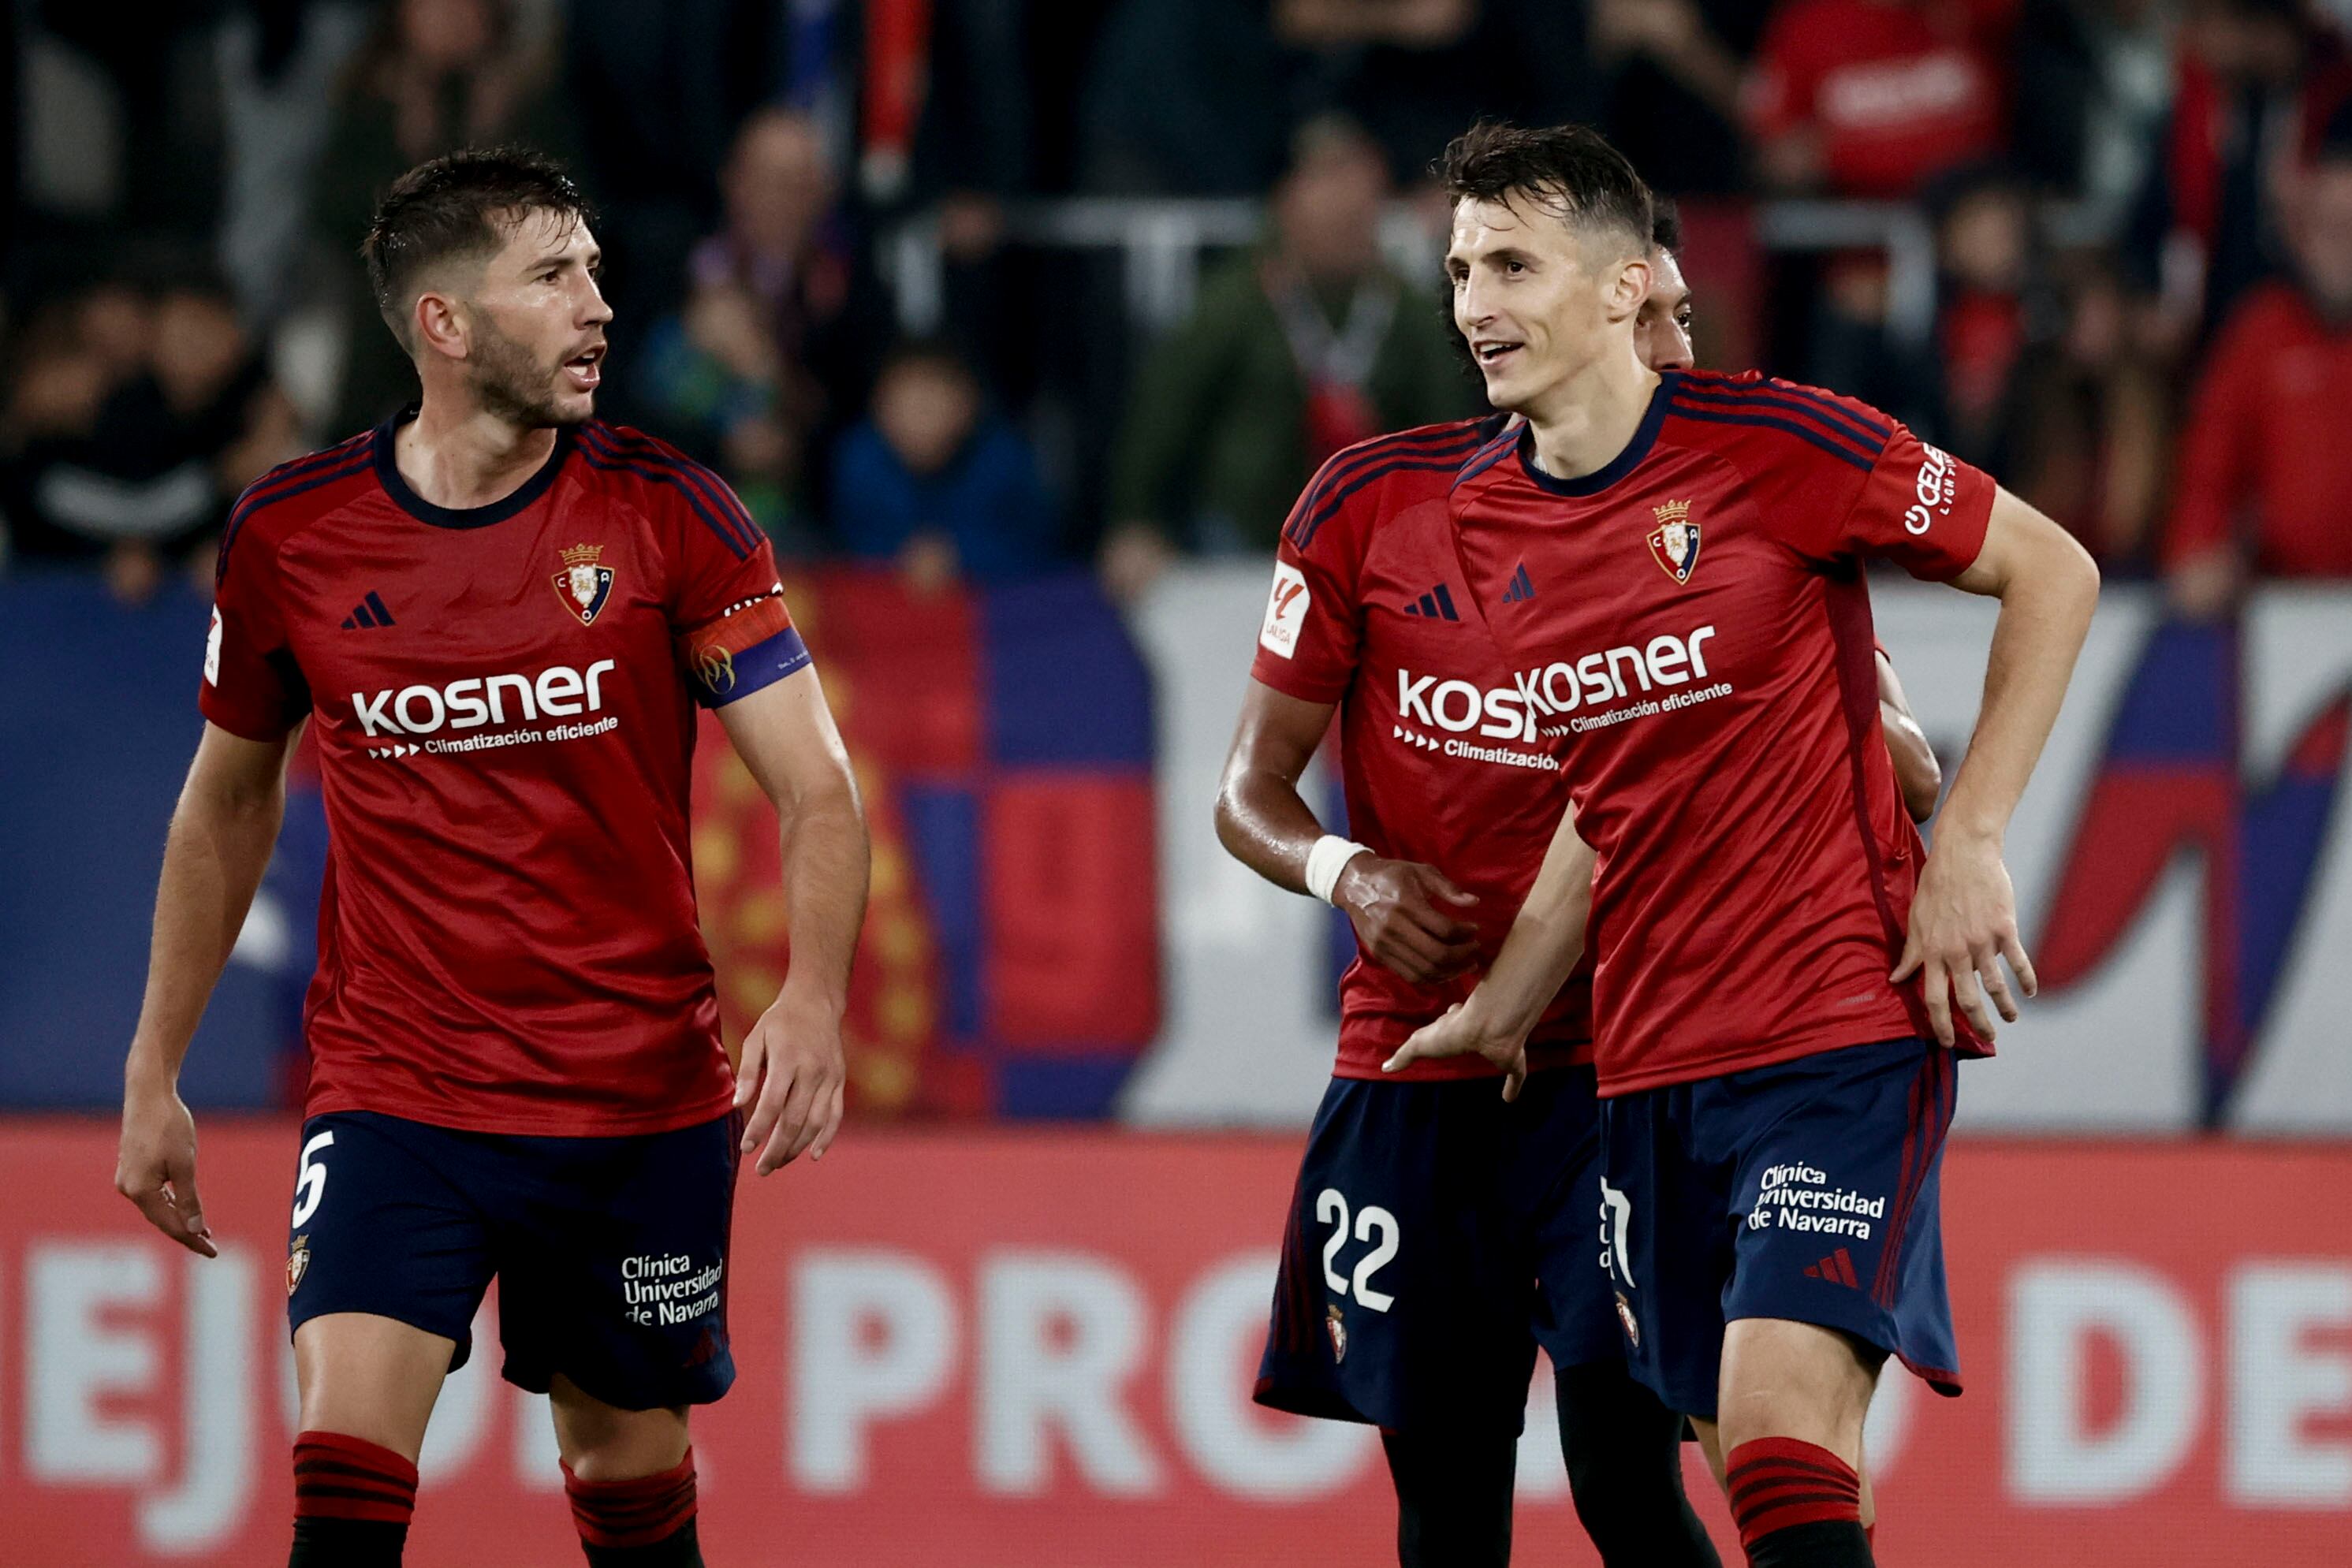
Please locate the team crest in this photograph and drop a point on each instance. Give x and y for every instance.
(1625, 1316)
(1675, 542)
(583, 584)
(1338, 1333)
(297, 1262)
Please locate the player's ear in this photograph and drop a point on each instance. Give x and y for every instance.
(1628, 287)
(437, 325)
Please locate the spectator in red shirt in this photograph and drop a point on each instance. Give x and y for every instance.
(2265, 479)
(1872, 97)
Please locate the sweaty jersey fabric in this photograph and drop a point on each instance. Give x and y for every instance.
(502, 699)
(1693, 623)
(1439, 755)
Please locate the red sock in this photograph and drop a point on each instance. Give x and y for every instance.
(1778, 1483)
(644, 1510)
(337, 1477)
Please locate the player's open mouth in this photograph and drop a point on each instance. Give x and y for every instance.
(586, 367)
(1493, 354)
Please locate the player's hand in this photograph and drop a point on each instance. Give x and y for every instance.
(157, 1168)
(1464, 1032)
(1404, 913)
(792, 1075)
(1963, 923)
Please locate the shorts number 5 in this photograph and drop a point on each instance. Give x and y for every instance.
(310, 1180)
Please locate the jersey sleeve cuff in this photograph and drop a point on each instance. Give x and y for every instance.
(246, 724)
(719, 676)
(1293, 682)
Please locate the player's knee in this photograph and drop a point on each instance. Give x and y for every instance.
(1787, 1379)
(600, 1442)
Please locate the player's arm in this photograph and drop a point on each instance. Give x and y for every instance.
(1964, 916)
(1916, 772)
(222, 833)
(1544, 944)
(792, 1063)
(1403, 911)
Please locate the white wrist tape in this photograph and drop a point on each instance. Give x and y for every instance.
(1326, 860)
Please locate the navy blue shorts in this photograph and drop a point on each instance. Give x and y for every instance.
(610, 1253)
(1437, 1238)
(1807, 1191)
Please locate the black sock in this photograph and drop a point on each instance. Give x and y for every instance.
(681, 1550)
(352, 1500)
(1824, 1543)
(1453, 1497)
(347, 1543)
(646, 1522)
(1798, 1505)
(1624, 1451)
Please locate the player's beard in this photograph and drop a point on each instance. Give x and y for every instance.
(516, 387)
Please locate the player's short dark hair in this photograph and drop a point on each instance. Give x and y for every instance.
(1569, 170)
(466, 204)
(1665, 224)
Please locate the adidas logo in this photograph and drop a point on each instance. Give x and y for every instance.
(1522, 587)
(1837, 1268)
(369, 612)
(1437, 604)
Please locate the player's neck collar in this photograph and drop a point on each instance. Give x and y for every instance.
(1644, 435)
(387, 473)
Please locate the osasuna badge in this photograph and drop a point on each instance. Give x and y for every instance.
(1338, 1333)
(1675, 542)
(583, 584)
(298, 1263)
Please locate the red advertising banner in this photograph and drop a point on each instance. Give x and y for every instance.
(1034, 1349)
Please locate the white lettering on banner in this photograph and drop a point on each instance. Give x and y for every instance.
(874, 1335)
(1060, 1334)
(2056, 1306)
(216, 1460)
(2280, 1380)
(1253, 1453)
(75, 1360)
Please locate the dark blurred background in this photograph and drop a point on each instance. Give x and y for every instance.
(992, 288)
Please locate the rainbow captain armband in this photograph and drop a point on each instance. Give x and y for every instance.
(752, 644)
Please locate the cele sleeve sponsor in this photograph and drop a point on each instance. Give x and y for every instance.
(1286, 612)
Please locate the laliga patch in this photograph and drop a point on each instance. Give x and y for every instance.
(1338, 1330)
(1286, 612)
(1675, 542)
(212, 651)
(584, 585)
(298, 1263)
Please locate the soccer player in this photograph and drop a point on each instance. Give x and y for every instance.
(497, 615)
(1433, 1337)
(1676, 560)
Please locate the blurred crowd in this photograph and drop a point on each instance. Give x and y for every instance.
(2139, 214)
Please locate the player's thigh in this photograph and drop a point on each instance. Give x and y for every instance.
(1666, 1243)
(370, 1378)
(1405, 1289)
(612, 1260)
(388, 1255)
(603, 1442)
(1839, 1240)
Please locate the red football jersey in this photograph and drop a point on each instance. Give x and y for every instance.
(503, 701)
(1694, 619)
(1439, 752)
